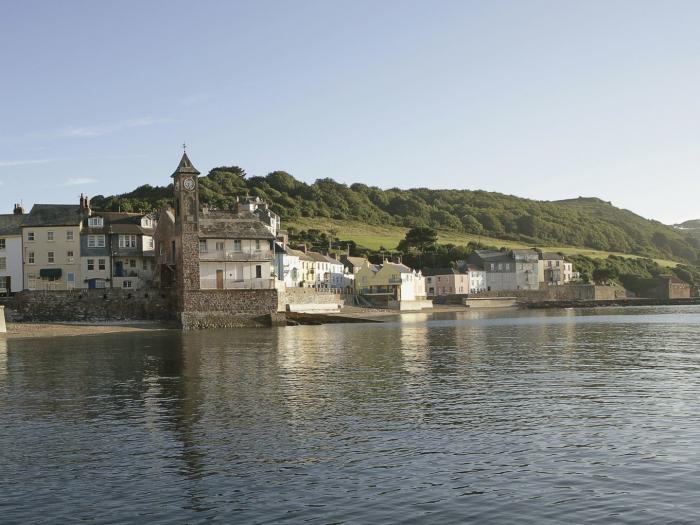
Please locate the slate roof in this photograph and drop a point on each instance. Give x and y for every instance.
(11, 224)
(118, 222)
(355, 262)
(232, 228)
(185, 167)
(54, 215)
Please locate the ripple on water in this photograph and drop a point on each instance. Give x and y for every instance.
(583, 416)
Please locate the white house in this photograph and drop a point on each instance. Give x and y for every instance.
(288, 266)
(11, 252)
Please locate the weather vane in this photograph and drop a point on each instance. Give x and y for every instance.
(184, 147)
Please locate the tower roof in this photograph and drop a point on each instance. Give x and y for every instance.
(185, 167)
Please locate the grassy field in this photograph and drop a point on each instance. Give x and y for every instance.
(388, 237)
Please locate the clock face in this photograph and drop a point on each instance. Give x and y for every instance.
(188, 184)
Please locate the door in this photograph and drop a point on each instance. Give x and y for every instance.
(219, 279)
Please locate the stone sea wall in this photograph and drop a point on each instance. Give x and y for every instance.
(229, 309)
(90, 306)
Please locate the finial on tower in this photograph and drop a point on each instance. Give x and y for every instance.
(184, 147)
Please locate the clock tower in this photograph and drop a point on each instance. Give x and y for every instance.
(186, 202)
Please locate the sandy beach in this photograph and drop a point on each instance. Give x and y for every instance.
(28, 330)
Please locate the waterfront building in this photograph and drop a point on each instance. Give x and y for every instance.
(508, 270)
(11, 279)
(288, 265)
(117, 250)
(51, 246)
(554, 269)
(390, 281)
(454, 281)
(205, 249)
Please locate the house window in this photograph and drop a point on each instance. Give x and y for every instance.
(219, 246)
(69, 235)
(30, 258)
(69, 255)
(30, 236)
(127, 241)
(2, 244)
(147, 243)
(101, 264)
(145, 264)
(90, 264)
(203, 246)
(49, 236)
(258, 271)
(146, 223)
(96, 241)
(257, 244)
(132, 263)
(126, 284)
(51, 257)
(237, 245)
(160, 248)
(95, 222)
(3, 263)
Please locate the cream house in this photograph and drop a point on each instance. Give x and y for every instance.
(392, 284)
(51, 246)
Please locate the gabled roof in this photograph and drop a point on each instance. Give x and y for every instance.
(355, 262)
(54, 215)
(11, 224)
(397, 267)
(185, 167)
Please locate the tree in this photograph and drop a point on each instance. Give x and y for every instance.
(420, 238)
(605, 274)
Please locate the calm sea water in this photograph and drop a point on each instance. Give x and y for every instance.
(589, 416)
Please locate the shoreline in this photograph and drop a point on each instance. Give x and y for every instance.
(71, 329)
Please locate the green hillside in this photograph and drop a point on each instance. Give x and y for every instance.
(587, 224)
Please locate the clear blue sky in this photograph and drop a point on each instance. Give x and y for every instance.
(542, 99)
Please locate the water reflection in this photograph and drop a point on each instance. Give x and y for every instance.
(481, 416)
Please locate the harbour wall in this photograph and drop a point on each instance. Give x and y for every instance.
(94, 305)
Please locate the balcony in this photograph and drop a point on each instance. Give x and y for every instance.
(233, 256)
(248, 284)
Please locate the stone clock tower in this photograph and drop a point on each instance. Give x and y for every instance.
(186, 201)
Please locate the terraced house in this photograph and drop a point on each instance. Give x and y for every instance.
(117, 250)
(11, 251)
(51, 246)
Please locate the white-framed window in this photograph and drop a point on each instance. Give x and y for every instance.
(49, 236)
(96, 241)
(126, 284)
(127, 241)
(69, 235)
(51, 256)
(90, 264)
(70, 277)
(257, 245)
(30, 258)
(3, 263)
(258, 271)
(147, 242)
(146, 223)
(237, 245)
(219, 246)
(101, 264)
(69, 255)
(2, 244)
(202, 246)
(95, 222)
(30, 236)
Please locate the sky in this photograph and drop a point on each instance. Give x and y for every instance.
(541, 99)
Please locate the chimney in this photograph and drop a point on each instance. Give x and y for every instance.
(82, 202)
(19, 210)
